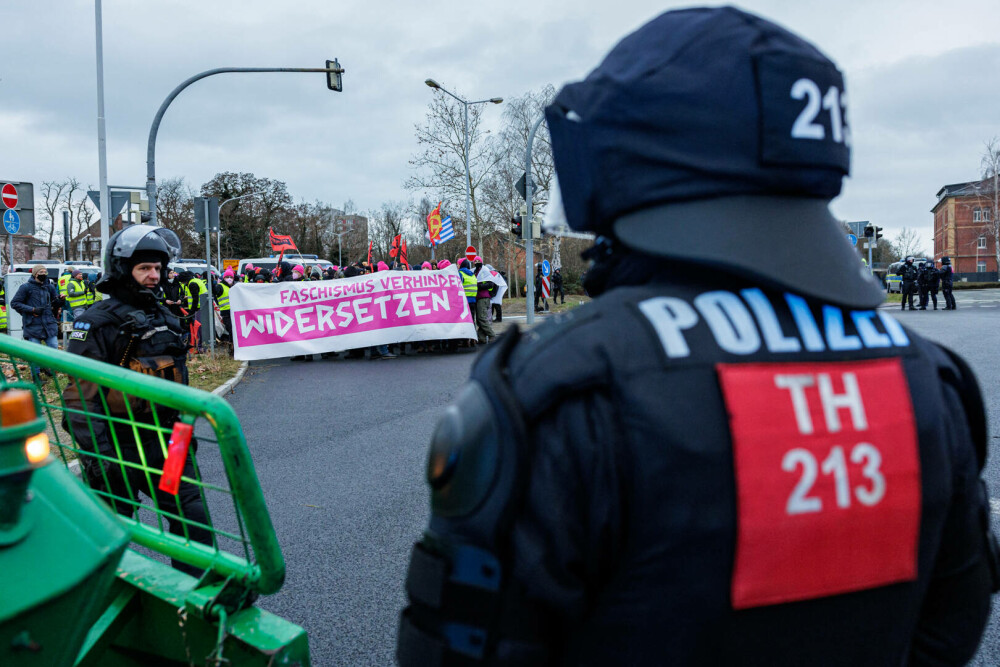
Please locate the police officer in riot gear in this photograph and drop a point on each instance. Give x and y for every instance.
(735, 458)
(909, 274)
(946, 282)
(932, 282)
(134, 330)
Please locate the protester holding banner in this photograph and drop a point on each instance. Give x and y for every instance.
(486, 288)
(367, 311)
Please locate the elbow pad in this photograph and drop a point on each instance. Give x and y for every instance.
(462, 608)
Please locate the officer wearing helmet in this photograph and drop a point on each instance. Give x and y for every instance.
(946, 283)
(909, 273)
(133, 330)
(730, 456)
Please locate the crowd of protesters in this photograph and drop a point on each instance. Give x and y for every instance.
(479, 292)
(181, 292)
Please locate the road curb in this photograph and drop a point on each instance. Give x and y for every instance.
(228, 386)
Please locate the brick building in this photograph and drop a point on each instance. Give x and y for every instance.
(963, 226)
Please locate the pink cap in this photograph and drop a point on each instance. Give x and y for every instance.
(425, 265)
(250, 266)
(443, 264)
(477, 260)
(299, 268)
(382, 266)
(228, 273)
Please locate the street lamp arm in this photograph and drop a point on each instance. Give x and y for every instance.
(155, 127)
(250, 194)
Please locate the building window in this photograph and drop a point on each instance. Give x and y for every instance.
(986, 215)
(982, 243)
(977, 215)
(981, 266)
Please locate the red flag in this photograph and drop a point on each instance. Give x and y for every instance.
(369, 256)
(395, 246)
(281, 242)
(402, 253)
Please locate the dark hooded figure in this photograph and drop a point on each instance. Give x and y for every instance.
(730, 456)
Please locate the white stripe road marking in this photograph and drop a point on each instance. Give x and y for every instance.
(995, 506)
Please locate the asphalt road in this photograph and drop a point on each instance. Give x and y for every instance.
(339, 448)
(972, 332)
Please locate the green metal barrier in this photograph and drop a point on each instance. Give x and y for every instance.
(153, 610)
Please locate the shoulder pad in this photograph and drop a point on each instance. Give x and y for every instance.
(479, 446)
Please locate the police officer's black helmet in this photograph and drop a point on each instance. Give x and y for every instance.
(946, 260)
(137, 243)
(909, 260)
(693, 140)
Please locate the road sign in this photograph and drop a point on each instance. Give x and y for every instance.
(522, 184)
(9, 195)
(199, 214)
(858, 227)
(545, 285)
(546, 267)
(853, 239)
(11, 221)
(118, 200)
(470, 253)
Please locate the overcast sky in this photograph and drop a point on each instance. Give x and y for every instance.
(921, 74)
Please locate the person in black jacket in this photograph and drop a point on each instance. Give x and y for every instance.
(172, 297)
(731, 456)
(557, 286)
(929, 286)
(908, 273)
(946, 283)
(38, 303)
(133, 329)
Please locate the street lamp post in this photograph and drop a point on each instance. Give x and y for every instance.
(468, 181)
(333, 70)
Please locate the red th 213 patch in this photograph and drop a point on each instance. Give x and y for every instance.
(827, 478)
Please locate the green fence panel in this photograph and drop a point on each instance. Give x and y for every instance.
(87, 401)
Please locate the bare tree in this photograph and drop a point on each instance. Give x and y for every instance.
(989, 193)
(53, 201)
(907, 243)
(385, 223)
(441, 163)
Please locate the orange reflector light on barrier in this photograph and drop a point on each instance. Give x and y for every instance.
(17, 406)
(177, 451)
(37, 448)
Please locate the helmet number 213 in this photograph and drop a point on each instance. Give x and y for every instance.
(835, 102)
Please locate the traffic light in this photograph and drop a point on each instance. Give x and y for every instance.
(878, 234)
(333, 79)
(515, 226)
(869, 231)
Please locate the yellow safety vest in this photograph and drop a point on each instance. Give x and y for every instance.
(223, 300)
(79, 300)
(91, 298)
(63, 283)
(3, 317)
(204, 290)
(470, 284)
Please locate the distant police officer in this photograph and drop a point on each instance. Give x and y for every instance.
(930, 285)
(736, 458)
(132, 329)
(946, 282)
(909, 274)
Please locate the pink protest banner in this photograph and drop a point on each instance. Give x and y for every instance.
(292, 318)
